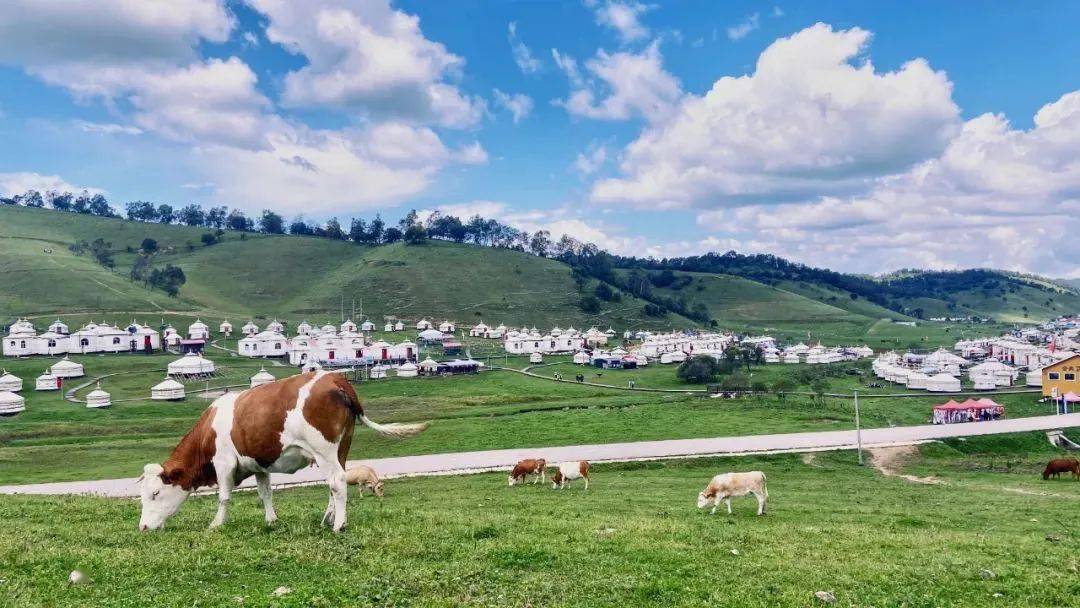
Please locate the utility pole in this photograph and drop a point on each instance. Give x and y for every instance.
(858, 427)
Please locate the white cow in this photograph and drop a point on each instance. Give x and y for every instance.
(724, 486)
(565, 472)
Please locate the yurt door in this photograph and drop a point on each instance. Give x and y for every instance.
(408, 353)
(385, 356)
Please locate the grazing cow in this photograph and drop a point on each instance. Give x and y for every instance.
(1062, 465)
(278, 427)
(565, 472)
(529, 466)
(724, 486)
(362, 477)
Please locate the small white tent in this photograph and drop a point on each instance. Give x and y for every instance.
(536, 358)
(225, 328)
(98, 398)
(407, 370)
(11, 404)
(943, 383)
(46, 382)
(66, 368)
(167, 390)
(191, 364)
(581, 357)
(377, 372)
(261, 378)
(10, 382)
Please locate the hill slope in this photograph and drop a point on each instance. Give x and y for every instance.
(290, 277)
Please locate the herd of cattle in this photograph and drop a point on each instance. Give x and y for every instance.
(284, 426)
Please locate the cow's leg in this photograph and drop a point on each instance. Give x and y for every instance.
(328, 516)
(225, 488)
(266, 495)
(760, 503)
(728, 501)
(715, 504)
(335, 478)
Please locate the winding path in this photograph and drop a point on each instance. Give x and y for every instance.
(491, 460)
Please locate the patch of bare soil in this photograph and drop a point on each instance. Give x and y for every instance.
(891, 460)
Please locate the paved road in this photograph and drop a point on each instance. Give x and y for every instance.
(472, 462)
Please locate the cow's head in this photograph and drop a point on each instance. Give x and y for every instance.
(703, 500)
(378, 489)
(511, 480)
(161, 496)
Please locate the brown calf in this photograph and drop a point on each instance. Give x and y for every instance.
(529, 466)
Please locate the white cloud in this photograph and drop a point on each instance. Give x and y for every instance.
(523, 57)
(743, 28)
(623, 17)
(107, 128)
(591, 160)
(623, 85)
(996, 197)
(19, 182)
(569, 67)
(106, 32)
(367, 57)
(518, 104)
(807, 122)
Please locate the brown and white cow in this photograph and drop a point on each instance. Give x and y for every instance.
(280, 427)
(724, 486)
(565, 472)
(529, 466)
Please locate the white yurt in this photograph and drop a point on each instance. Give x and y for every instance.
(791, 357)
(918, 380)
(399, 326)
(432, 335)
(225, 328)
(581, 357)
(11, 404)
(171, 337)
(641, 360)
(407, 370)
(429, 366)
(10, 382)
(943, 383)
(772, 358)
(984, 382)
(536, 358)
(1034, 377)
(46, 382)
(261, 378)
(311, 366)
(665, 358)
(304, 328)
(59, 327)
(377, 372)
(66, 368)
(446, 327)
(423, 324)
(98, 398)
(676, 357)
(388, 327)
(191, 364)
(367, 326)
(276, 326)
(249, 329)
(167, 390)
(198, 331)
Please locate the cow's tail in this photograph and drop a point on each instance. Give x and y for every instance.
(764, 486)
(396, 430)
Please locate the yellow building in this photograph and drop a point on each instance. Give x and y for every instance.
(1061, 376)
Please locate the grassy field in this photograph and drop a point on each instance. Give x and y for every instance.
(634, 539)
(496, 409)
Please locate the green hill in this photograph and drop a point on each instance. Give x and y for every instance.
(290, 277)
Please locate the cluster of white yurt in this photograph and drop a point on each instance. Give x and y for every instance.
(394, 326)
(11, 404)
(261, 378)
(677, 356)
(167, 390)
(10, 382)
(407, 370)
(98, 398)
(994, 371)
(191, 365)
(46, 382)
(66, 368)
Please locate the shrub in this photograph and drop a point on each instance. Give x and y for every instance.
(698, 369)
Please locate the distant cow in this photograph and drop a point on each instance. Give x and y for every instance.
(1062, 465)
(724, 486)
(363, 476)
(565, 472)
(278, 427)
(529, 466)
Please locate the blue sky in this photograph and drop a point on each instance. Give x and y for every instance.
(859, 136)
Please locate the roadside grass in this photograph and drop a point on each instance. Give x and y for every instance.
(634, 539)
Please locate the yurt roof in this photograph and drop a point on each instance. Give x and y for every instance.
(198, 324)
(9, 398)
(263, 375)
(407, 343)
(66, 363)
(431, 334)
(8, 376)
(167, 384)
(429, 362)
(407, 366)
(97, 393)
(381, 344)
(46, 375)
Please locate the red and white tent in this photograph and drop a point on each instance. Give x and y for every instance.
(972, 410)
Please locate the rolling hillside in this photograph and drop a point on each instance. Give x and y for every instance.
(252, 275)
(289, 277)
